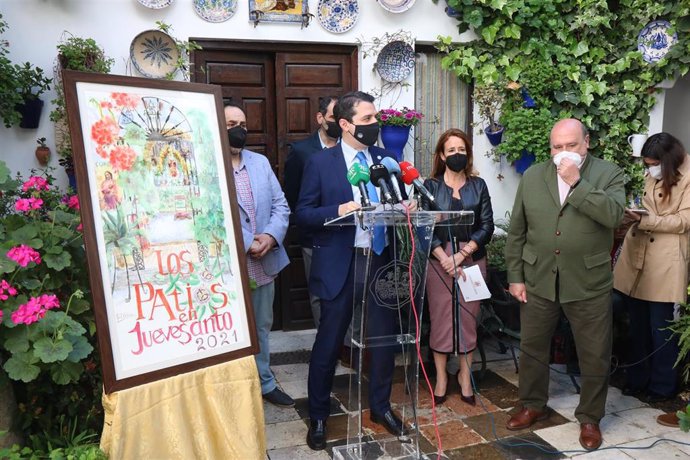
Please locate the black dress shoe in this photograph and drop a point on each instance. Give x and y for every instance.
(438, 400)
(390, 421)
(316, 437)
(632, 391)
(652, 397)
(468, 399)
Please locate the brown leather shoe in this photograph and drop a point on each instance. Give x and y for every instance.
(526, 418)
(670, 419)
(590, 436)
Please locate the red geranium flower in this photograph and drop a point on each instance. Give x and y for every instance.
(105, 131)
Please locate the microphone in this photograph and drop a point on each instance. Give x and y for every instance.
(410, 176)
(394, 170)
(358, 176)
(379, 175)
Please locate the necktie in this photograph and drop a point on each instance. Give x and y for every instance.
(379, 240)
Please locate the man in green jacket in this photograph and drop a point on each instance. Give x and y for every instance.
(558, 256)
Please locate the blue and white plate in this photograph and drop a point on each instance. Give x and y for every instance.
(154, 54)
(215, 10)
(395, 61)
(654, 41)
(338, 16)
(155, 4)
(396, 6)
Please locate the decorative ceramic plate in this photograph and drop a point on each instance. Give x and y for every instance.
(154, 53)
(396, 6)
(654, 41)
(155, 4)
(215, 10)
(338, 16)
(395, 61)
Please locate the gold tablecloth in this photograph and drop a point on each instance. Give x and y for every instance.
(212, 413)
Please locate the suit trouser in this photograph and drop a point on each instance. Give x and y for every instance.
(591, 322)
(314, 301)
(336, 315)
(262, 301)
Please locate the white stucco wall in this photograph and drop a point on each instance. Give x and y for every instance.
(676, 120)
(36, 26)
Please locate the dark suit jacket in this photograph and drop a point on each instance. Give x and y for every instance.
(298, 154)
(324, 188)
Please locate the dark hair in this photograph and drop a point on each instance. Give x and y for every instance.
(324, 102)
(670, 153)
(345, 107)
(439, 166)
(227, 104)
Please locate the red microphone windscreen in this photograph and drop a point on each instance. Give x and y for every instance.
(409, 173)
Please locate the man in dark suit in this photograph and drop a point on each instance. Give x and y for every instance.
(325, 195)
(558, 257)
(299, 152)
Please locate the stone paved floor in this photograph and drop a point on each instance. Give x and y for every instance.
(629, 426)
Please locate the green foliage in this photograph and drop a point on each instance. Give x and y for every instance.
(681, 329)
(684, 419)
(489, 99)
(495, 250)
(576, 58)
(526, 129)
(17, 83)
(184, 48)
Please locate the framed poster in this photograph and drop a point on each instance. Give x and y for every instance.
(162, 233)
(279, 11)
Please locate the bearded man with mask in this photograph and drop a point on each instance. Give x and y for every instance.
(327, 194)
(558, 257)
(264, 215)
(298, 153)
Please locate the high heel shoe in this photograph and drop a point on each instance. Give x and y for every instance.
(468, 399)
(438, 400)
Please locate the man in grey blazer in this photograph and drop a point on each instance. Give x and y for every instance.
(264, 216)
(558, 257)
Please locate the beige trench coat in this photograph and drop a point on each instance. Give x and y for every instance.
(653, 264)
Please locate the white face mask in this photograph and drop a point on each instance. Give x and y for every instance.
(572, 156)
(655, 171)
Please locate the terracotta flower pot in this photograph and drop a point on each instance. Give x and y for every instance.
(43, 155)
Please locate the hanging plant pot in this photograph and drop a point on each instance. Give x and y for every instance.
(528, 101)
(524, 162)
(30, 111)
(394, 138)
(43, 155)
(495, 136)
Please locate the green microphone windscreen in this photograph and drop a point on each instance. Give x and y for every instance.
(357, 173)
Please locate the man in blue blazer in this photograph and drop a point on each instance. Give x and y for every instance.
(299, 152)
(325, 195)
(264, 216)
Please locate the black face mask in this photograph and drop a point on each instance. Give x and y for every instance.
(237, 136)
(333, 129)
(367, 134)
(456, 162)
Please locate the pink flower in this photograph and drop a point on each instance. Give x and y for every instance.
(37, 183)
(24, 255)
(34, 309)
(0, 316)
(122, 157)
(106, 105)
(80, 228)
(125, 100)
(105, 131)
(28, 204)
(6, 290)
(73, 202)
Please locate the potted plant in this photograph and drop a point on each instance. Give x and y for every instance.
(31, 83)
(42, 151)
(395, 128)
(489, 99)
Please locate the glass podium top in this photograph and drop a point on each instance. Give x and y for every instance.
(388, 215)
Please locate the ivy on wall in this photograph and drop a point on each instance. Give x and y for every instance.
(575, 58)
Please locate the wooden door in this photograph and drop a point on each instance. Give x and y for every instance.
(279, 85)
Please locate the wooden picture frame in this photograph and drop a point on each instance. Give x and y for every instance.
(279, 11)
(161, 226)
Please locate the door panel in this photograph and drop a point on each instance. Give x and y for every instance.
(279, 86)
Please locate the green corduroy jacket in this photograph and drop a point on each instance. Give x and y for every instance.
(571, 243)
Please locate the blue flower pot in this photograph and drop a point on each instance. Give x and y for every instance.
(495, 137)
(395, 138)
(30, 112)
(72, 179)
(524, 162)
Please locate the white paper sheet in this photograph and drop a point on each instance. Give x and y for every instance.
(473, 287)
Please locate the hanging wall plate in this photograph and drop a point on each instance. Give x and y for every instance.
(155, 4)
(654, 41)
(215, 10)
(396, 6)
(154, 54)
(337, 16)
(395, 61)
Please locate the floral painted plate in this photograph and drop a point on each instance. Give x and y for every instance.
(337, 16)
(215, 10)
(154, 54)
(654, 41)
(395, 61)
(396, 6)
(155, 4)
